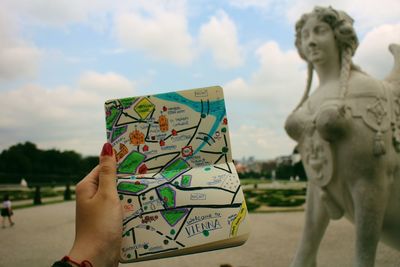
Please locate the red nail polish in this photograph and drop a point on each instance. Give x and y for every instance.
(107, 150)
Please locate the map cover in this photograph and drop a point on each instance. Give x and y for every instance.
(178, 186)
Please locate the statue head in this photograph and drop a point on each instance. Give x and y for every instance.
(341, 25)
(345, 37)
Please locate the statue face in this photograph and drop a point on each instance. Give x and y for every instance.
(318, 42)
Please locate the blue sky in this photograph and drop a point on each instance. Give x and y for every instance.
(60, 60)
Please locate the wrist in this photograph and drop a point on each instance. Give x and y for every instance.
(97, 256)
(78, 255)
(75, 263)
(67, 261)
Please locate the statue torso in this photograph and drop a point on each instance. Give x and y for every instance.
(324, 117)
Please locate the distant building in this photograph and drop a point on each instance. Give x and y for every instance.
(241, 168)
(282, 167)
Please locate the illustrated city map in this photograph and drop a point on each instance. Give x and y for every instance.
(177, 183)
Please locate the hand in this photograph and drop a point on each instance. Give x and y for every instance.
(98, 215)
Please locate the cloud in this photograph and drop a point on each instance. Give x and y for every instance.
(237, 88)
(60, 13)
(18, 58)
(260, 142)
(251, 3)
(108, 85)
(18, 62)
(279, 78)
(158, 30)
(219, 35)
(61, 117)
(263, 101)
(373, 55)
(367, 13)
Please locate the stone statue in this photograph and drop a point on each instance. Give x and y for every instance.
(348, 134)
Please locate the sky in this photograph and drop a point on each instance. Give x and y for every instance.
(60, 60)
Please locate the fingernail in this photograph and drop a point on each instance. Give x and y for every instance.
(107, 150)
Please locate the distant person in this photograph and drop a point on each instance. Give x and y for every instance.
(98, 229)
(6, 211)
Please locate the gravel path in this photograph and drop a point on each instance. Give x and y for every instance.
(43, 234)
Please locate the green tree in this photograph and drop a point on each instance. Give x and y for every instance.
(43, 166)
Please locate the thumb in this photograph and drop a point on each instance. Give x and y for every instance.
(107, 169)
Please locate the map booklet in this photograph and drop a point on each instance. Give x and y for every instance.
(178, 186)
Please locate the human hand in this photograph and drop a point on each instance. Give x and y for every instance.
(98, 229)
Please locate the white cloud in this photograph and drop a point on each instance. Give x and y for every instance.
(18, 58)
(263, 102)
(61, 12)
(158, 30)
(61, 117)
(367, 13)
(220, 35)
(260, 142)
(278, 68)
(373, 55)
(237, 88)
(18, 62)
(279, 80)
(108, 85)
(251, 3)
(50, 118)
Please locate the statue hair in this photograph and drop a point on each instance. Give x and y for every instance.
(346, 41)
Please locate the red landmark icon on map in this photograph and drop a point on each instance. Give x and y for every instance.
(187, 151)
(142, 169)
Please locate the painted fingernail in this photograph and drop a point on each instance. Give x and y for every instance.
(107, 150)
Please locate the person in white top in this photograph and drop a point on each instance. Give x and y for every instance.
(6, 211)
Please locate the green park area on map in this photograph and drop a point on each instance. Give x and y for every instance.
(168, 196)
(131, 162)
(117, 132)
(111, 118)
(127, 102)
(186, 179)
(131, 187)
(173, 216)
(175, 168)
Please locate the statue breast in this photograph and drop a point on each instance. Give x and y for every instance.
(316, 153)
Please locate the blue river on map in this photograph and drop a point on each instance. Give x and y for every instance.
(217, 109)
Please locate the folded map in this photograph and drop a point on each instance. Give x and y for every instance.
(178, 186)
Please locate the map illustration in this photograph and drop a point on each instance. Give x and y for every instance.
(178, 186)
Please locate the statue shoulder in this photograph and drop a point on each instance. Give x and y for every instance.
(360, 82)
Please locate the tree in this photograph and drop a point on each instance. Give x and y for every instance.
(42, 166)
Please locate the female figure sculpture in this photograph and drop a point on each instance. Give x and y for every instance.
(348, 134)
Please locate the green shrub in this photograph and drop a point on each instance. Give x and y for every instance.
(251, 205)
(281, 197)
